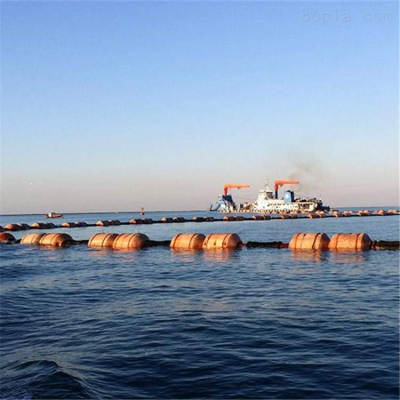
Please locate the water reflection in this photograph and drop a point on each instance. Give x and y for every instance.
(308, 255)
(186, 255)
(220, 254)
(345, 257)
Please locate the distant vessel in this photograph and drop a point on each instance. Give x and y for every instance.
(225, 202)
(268, 202)
(53, 215)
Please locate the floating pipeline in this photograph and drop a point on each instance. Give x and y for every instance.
(167, 220)
(216, 241)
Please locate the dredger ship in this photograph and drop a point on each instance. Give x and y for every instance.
(268, 201)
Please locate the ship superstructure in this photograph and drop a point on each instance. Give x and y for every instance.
(268, 201)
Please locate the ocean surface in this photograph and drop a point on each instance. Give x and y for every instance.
(82, 323)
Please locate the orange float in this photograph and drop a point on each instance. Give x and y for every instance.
(167, 220)
(55, 239)
(135, 221)
(102, 223)
(312, 216)
(130, 241)
(309, 241)
(350, 241)
(38, 225)
(187, 241)
(221, 241)
(5, 237)
(32, 238)
(12, 227)
(69, 225)
(102, 240)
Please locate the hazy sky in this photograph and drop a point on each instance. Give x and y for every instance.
(112, 106)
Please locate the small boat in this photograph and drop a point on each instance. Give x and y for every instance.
(53, 215)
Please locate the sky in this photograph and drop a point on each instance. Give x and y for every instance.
(111, 106)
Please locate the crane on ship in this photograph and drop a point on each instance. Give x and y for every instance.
(228, 186)
(225, 202)
(278, 184)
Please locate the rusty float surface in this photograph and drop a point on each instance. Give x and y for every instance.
(350, 241)
(127, 241)
(32, 238)
(188, 241)
(102, 240)
(221, 241)
(309, 241)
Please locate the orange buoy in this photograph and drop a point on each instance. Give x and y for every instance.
(337, 214)
(69, 225)
(228, 218)
(37, 225)
(55, 239)
(258, 217)
(382, 212)
(178, 219)
(285, 216)
(32, 238)
(135, 221)
(102, 240)
(102, 223)
(165, 219)
(309, 241)
(312, 216)
(350, 241)
(130, 241)
(5, 237)
(221, 241)
(198, 219)
(209, 219)
(187, 241)
(12, 227)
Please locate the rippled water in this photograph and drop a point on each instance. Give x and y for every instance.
(156, 323)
